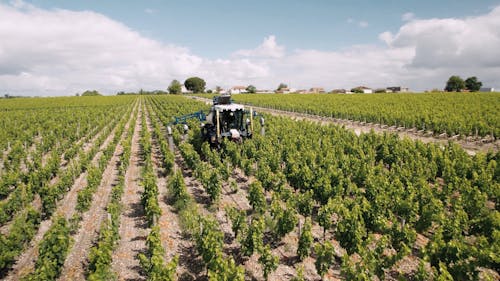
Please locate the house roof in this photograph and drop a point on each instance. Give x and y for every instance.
(239, 88)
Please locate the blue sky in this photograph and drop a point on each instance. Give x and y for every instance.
(215, 28)
(63, 47)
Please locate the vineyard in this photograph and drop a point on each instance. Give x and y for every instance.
(94, 188)
(463, 114)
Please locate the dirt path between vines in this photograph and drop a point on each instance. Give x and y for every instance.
(65, 207)
(36, 203)
(133, 227)
(286, 249)
(76, 261)
(470, 146)
(171, 234)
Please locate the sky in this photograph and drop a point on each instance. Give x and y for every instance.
(55, 47)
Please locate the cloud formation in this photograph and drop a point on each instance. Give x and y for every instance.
(61, 52)
(268, 49)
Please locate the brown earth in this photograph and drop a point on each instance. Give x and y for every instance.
(133, 227)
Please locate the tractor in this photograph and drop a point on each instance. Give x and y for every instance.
(226, 120)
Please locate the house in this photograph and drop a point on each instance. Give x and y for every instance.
(284, 90)
(362, 90)
(317, 90)
(338, 91)
(219, 90)
(487, 89)
(397, 89)
(238, 90)
(264, 92)
(301, 91)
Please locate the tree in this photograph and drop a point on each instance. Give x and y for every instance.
(282, 86)
(91, 93)
(472, 84)
(175, 88)
(357, 90)
(305, 240)
(455, 84)
(251, 89)
(268, 261)
(195, 84)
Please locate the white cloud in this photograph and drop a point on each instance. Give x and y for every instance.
(361, 23)
(268, 49)
(61, 52)
(408, 16)
(149, 11)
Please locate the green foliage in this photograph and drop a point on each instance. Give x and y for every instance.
(153, 263)
(251, 89)
(52, 251)
(353, 271)
(299, 276)
(453, 113)
(149, 197)
(268, 261)
(23, 229)
(256, 197)
(89, 93)
(177, 189)
(305, 202)
(195, 84)
(281, 86)
(305, 240)
(285, 218)
(175, 87)
(238, 220)
(357, 90)
(254, 237)
(455, 84)
(209, 242)
(226, 270)
(325, 216)
(324, 257)
(472, 84)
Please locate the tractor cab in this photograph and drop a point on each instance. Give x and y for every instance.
(225, 120)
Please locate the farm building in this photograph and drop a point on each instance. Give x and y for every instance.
(487, 89)
(317, 90)
(397, 89)
(238, 90)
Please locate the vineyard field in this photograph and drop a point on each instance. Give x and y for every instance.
(465, 114)
(94, 188)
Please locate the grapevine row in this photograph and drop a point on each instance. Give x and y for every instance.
(56, 243)
(454, 113)
(100, 257)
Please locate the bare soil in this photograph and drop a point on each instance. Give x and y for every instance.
(65, 207)
(133, 227)
(76, 261)
(172, 237)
